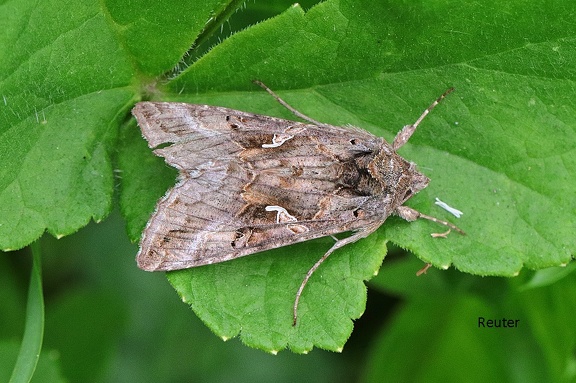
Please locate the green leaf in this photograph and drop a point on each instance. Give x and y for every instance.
(500, 148)
(34, 329)
(65, 86)
(156, 34)
(254, 296)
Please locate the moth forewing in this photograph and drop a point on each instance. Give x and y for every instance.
(249, 183)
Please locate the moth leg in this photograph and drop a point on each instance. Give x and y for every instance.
(290, 108)
(441, 235)
(339, 243)
(410, 215)
(404, 135)
(423, 270)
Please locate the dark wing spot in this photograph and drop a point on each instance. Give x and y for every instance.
(358, 213)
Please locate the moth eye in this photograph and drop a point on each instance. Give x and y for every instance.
(407, 195)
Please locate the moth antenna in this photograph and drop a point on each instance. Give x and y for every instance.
(404, 135)
(304, 283)
(289, 107)
(339, 243)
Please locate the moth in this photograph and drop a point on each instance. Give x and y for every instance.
(249, 183)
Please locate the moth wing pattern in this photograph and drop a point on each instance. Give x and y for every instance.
(234, 198)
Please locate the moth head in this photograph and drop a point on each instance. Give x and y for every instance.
(416, 182)
(398, 178)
